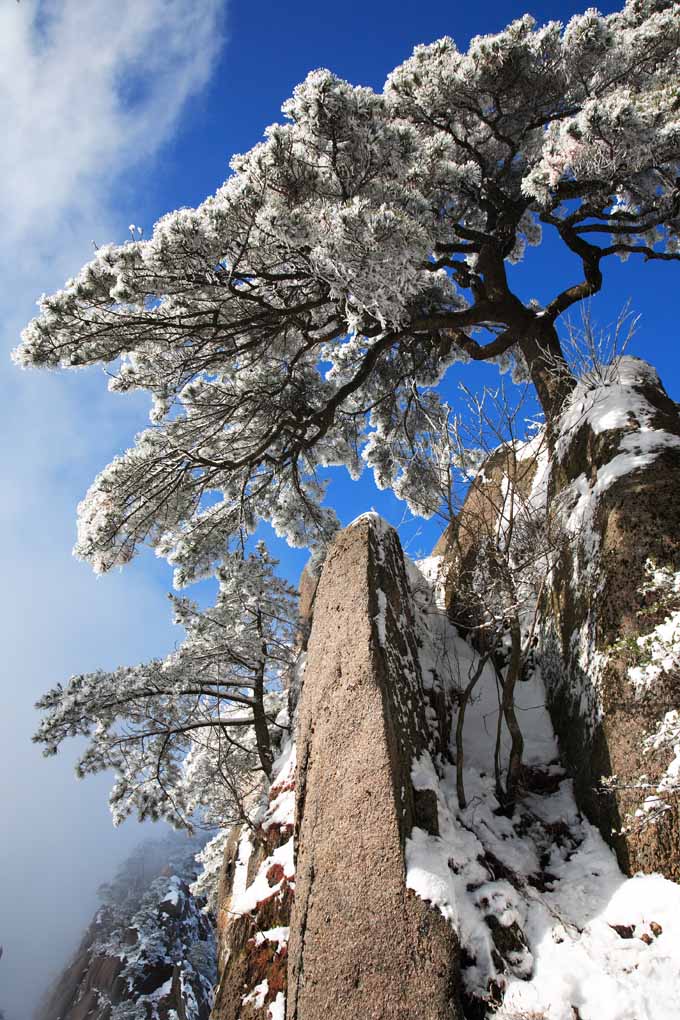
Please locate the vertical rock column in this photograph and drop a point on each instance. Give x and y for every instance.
(361, 944)
(599, 609)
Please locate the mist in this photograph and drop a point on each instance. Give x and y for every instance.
(89, 94)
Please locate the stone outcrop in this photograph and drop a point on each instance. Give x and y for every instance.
(592, 614)
(602, 722)
(309, 581)
(361, 944)
(246, 959)
(476, 522)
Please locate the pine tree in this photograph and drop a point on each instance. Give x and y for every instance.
(188, 736)
(351, 256)
(304, 315)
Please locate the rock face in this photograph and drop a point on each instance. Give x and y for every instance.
(309, 581)
(602, 720)
(253, 969)
(477, 522)
(615, 470)
(361, 944)
(149, 947)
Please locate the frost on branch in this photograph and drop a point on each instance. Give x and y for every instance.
(350, 257)
(189, 736)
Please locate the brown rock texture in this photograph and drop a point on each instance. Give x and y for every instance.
(476, 521)
(309, 580)
(637, 517)
(243, 961)
(361, 944)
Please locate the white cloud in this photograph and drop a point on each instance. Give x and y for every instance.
(86, 90)
(89, 92)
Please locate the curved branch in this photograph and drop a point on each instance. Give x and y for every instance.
(590, 256)
(641, 249)
(483, 352)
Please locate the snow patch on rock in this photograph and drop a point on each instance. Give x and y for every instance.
(548, 924)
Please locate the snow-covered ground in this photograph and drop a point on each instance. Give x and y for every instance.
(548, 924)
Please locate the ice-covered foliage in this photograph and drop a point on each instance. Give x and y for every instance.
(167, 937)
(349, 258)
(211, 859)
(549, 926)
(159, 933)
(276, 808)
(189, 736)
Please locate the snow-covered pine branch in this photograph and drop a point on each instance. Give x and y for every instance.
(189, 735)
(370, 233)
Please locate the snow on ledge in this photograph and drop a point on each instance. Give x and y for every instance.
(279, 935)
(373, 518)
(257, 996)
(277, 1008)
(614, 404)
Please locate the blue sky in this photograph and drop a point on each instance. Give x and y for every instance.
(114, 114)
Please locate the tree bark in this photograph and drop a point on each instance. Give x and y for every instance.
(508, 706)
(549, 371)
(262, 739)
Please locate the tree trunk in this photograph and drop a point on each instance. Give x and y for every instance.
(262, 739)
(549, 371)
(516, 738)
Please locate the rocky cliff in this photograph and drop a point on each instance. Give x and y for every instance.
(254, 905)
(609, 646)
(364, 884)
(617, 469)
(149, 953)
(357, 941)
(383, 874)
(364, 887)
(362, 944)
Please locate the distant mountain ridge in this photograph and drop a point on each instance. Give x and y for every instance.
(149, 952)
